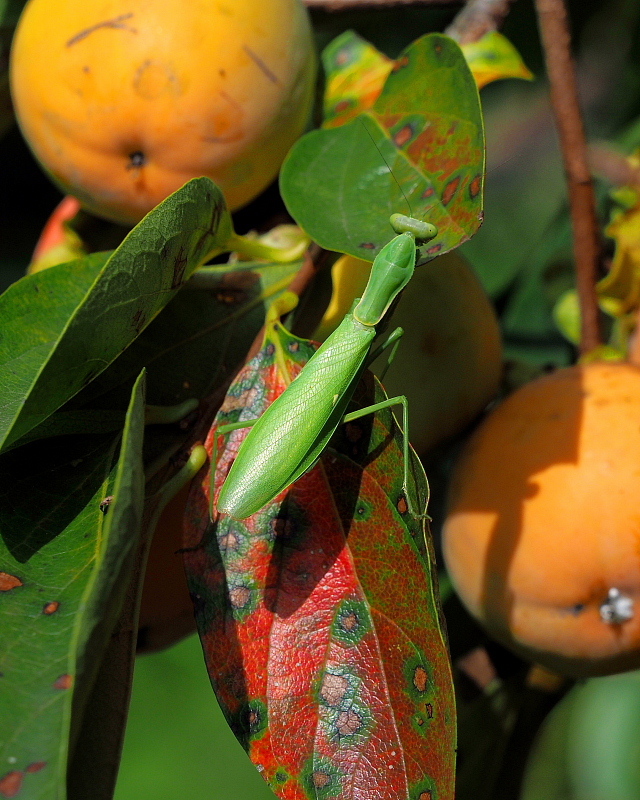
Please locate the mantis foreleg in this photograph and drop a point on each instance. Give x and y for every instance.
(392, 341)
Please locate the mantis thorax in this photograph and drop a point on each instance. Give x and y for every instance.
(390, 273)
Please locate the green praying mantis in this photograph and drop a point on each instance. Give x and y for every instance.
(292, 433)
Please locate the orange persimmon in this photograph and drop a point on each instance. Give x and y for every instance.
(542, 536)
(122, 103)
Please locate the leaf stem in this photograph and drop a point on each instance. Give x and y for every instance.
(556, 41)
(254, 248)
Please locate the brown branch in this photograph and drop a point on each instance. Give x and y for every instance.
(556, 41)
(349, 5)
(477, 18)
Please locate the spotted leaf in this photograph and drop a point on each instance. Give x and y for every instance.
(493, 57)
(318, 615)
(355, 75)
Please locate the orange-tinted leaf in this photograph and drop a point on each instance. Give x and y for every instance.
(492, 58)
(356, 73)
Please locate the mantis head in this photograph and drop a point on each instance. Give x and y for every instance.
(423, 231)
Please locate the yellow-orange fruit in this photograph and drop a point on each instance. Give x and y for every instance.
(122, 103)
(542, 536)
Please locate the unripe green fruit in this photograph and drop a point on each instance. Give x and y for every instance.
(589, 746)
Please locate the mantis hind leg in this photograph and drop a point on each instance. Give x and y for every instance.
(400, 400)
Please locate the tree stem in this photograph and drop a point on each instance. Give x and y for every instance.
(345, 5)
(556, 40)
(477, 18)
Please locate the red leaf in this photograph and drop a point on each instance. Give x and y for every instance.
(318, 617)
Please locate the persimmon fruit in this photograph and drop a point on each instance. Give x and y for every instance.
(542, 535)
(122, 103)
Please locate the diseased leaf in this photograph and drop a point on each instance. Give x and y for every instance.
(65, 325)
(492, 58)
(318, 615)
(355, 75)
(64, 557)
(419, 150)
(356, 72)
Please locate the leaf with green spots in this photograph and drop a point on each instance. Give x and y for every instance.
(419, 150)
(65, 325)
(329, 661)
(65, 558)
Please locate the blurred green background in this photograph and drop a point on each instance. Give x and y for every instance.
(178, 745)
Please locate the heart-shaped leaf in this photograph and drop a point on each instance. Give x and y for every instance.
(419, 151)
(65, 325)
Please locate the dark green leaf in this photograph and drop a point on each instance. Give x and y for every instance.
(98, 726)
(10, 11)
(198, 341)
(63, 326)
(63, 573)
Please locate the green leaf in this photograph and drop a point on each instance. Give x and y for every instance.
(10, 11)
(64, 570)
(65, 325)
(419, 150)
(98, 722)
(198, 341)
(566, 314)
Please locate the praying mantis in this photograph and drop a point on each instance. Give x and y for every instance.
(292, 433)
